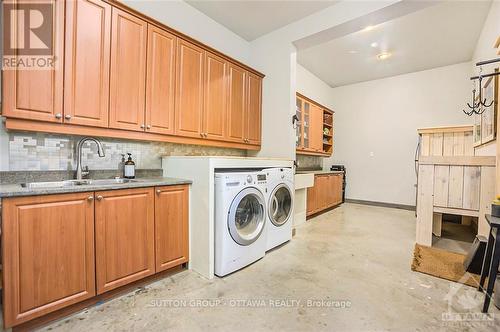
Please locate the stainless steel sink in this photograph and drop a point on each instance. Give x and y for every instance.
(73, 183)
(55, 184)
(111, 181)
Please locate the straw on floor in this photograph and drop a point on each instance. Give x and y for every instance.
(442, 264)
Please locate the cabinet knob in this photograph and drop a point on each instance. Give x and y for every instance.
(148, 127)
(143, 126)
(205, 135)
(158, 191)
(201, 134)
(90, 198)
(99, 198)
(58, 116)
(67, 117)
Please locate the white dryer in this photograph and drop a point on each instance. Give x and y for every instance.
(280, 182)
(240, 217)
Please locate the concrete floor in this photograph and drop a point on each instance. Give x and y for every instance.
(455, 237)
(353, 263)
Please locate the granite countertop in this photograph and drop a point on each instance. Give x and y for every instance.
(15, 190)
(317, 172)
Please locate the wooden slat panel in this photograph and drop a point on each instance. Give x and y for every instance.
(437, 144)
(425, 145)
(460, 212)
(458, 144)
(448, 144)
(437, 223)
(425, 205)
(472, 178)
(456, 187)
(452, 129)
(441, 180)
(458, 160)
(487, 194)
(468, 144)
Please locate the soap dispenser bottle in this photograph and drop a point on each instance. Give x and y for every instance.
(129, 169)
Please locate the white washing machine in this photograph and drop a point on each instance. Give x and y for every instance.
(280, 184)
(240, 218)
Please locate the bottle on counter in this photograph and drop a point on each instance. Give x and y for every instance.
(121, 166)
(129, 168)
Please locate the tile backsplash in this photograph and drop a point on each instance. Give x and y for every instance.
(41, 152)
(309, 162)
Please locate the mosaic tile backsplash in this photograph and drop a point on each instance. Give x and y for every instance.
(309, 162)
(43, 152)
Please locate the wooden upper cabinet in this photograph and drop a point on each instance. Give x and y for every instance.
(171, 226)
(254, 109)
(38, 94)
(316, 129)
(124, 226)
(236, 103)
(48, 254)
(160, 83)
(128, 71)
(87, 56)
(215, 110)
(189, 89)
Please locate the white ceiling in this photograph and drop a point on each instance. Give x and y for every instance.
(252, 19)
(439, 35)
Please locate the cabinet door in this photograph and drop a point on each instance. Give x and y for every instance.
(337, 188)
(316, 129)
(189, 89)
(48, 254)
(38, 94)
(254, 109)
(88, 47)
(323, 186)
(171, 226)
(128, 72)
(160, 83)
(236, 104)
(311, 206)
(215, 110)
(124, 225)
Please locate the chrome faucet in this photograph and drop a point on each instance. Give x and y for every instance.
(79, 172)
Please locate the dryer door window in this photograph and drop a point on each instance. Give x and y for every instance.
(246, 216)
(280, 205)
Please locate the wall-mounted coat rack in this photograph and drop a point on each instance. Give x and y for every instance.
(479, 105)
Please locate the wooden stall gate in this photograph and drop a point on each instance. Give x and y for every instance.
(451, 180)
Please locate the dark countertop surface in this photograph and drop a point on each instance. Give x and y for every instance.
(317, 172)
(16, 190)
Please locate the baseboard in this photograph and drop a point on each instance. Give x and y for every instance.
(382, 204)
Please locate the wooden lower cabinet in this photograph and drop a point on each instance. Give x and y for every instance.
(171, 226)
(58, 250)
(326, 193)
(124, 224)
(48, 254)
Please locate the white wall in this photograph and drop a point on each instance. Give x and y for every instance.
(381, 117)
(485, 50)
(274, 55)
(312, 87)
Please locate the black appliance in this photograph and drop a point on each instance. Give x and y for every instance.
(340, 168)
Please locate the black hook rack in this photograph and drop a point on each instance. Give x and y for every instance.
(481, 105)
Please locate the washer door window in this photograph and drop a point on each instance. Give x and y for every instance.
(246, 216)
(280, 205)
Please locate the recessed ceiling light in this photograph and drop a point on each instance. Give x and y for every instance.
(384, 56)
(374, 44)
(369, 28)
